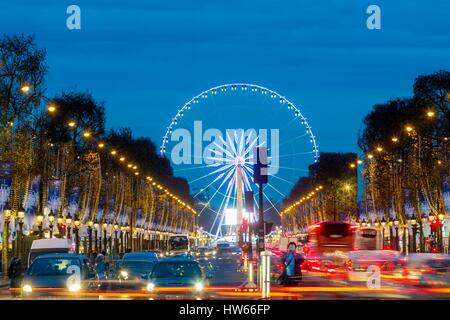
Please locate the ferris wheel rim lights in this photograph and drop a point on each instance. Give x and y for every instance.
(234, 87)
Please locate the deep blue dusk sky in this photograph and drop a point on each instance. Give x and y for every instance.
(144, 59)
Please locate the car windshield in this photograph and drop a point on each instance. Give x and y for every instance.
(176, 270)
(138, 265)
(52, 266)
(178, 242)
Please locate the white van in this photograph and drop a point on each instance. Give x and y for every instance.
(44, 246)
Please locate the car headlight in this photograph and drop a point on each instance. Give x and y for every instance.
(124, 274)
(74, 287)
(150, 286)
(27, 288)
(198, 286)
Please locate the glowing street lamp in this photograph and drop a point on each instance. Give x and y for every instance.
(51, 108)
(51, 219)
(25, 88)
(430, 114)
(40, 221)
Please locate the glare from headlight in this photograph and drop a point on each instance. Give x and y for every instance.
(74, 287)
(27, 288)
(150, 286)
(198, 286)
(124, 274)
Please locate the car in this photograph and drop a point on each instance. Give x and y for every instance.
(66, 272)
(44, 246)
(177, 276)
(359, 261)
(134, 268)
(428, 269)
(205, 252)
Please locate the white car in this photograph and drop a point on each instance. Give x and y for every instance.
(428, 269)
(359, 262)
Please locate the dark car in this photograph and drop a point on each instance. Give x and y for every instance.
(177, 276)
(135, 268)
(59, 272)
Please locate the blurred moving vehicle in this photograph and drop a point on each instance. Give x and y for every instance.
(368, 238)
(61, 272)
(203, 252)
(44, 246)
(134, 268)
(179, 244)
(175, 276)
(428, 269)
(328, 245)
(388, 262)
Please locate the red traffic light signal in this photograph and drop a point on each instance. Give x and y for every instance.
(244, 224)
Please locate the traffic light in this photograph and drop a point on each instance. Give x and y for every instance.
(434, 224)
(260, 166)
(244, 224)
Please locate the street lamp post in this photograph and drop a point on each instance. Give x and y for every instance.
(51, 219)
(105, 238)
(76, 230)
(96, 235)
(116, 239)
(128, 236)
(414, 234)
(383, 225)
(397, 238)
(441, 217)
(110, 226)
(68, 225)
(7, 217)
(59, 222)
(391, 236)
(90, 225)
(122, 231)
(423, 220)
(20, 216)
(40, 221)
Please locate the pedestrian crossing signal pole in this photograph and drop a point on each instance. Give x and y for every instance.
(260, 176)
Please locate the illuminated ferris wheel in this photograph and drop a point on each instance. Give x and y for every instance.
(212, 138)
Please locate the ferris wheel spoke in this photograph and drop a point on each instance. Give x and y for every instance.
(228, 153)
(294, 169)
(278, 191)
(279, 178)
(271, 203)
(224, 168)
(294, 138)
(294, 154)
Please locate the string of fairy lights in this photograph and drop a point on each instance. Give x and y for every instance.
(303, 199)
(121, 158)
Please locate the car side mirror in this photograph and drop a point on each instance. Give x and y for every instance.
(144, 276)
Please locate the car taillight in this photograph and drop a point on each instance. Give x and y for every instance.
(349, 265)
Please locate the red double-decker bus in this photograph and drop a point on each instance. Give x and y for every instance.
(328, 244)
